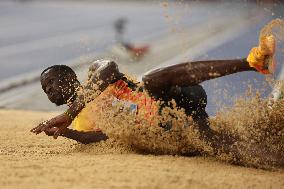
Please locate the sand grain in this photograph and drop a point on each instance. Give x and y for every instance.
(30, 161)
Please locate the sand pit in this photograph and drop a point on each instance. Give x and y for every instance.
(30, 161)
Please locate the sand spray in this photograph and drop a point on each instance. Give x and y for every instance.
(249, 133)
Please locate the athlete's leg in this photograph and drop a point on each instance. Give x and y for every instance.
(260, 58)
(192, 99)
(192, 73)
(242, 152)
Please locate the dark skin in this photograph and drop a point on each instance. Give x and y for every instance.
(192, 73)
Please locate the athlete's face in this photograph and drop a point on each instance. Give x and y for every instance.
(57, 87)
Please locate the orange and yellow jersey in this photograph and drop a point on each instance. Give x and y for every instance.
(140, 104)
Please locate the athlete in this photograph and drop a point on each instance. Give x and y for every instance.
(179, 82)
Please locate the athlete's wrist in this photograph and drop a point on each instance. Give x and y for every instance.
(69, 115)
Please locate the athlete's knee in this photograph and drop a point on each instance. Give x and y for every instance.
(103, 69)
(99, 65)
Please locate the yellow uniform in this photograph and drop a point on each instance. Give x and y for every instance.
(138, 103)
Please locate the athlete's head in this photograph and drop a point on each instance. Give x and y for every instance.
(59, 82)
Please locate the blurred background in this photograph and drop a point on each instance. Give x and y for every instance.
(138, 35)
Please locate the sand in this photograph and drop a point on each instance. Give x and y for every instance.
(30, 161)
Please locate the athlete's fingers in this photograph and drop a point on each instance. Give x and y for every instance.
(58, 132)
(33, 129)
(45, 127)
(50, 131)
(37, 129)
(42, 127)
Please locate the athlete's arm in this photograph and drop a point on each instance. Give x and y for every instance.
(101, 74)
(79, 136)
(85, 137)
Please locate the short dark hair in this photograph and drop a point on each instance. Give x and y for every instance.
(61, 68)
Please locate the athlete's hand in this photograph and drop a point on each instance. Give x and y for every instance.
(61, 122)
(50, 131)
(55, 131)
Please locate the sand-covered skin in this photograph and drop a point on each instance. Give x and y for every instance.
(30, 161)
